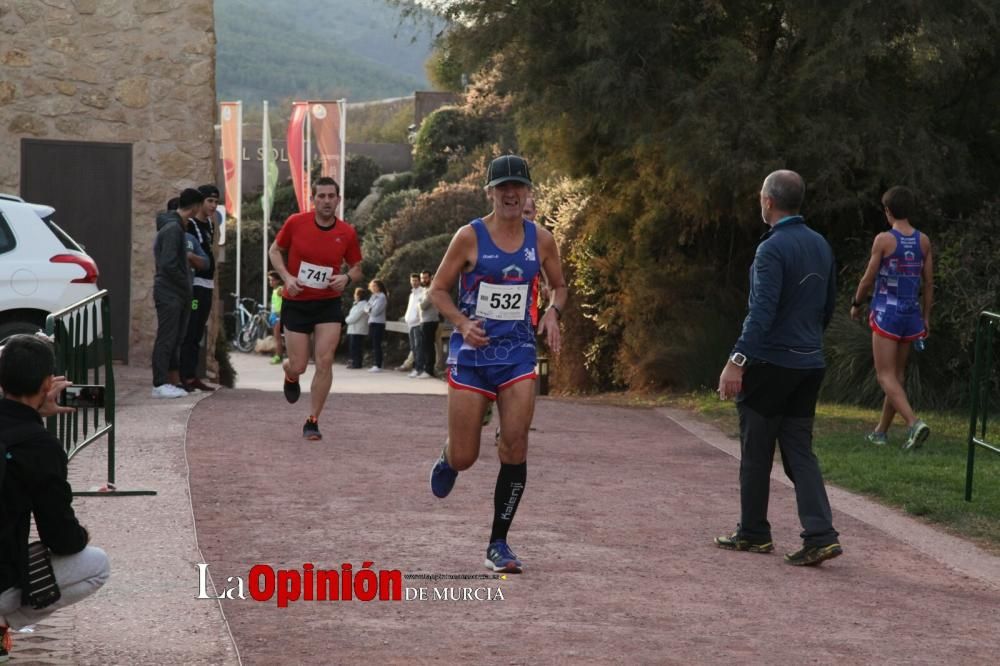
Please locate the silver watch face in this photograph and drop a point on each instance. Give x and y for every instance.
(738, 359)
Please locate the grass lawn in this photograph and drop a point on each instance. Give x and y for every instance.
(929, 482)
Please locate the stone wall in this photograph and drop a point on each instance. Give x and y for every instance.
(124, 71)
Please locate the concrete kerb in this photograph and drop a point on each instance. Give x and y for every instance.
(958, 554)
(148, 612)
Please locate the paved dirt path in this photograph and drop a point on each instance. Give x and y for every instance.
(616, 531)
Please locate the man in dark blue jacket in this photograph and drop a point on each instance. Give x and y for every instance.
(775, 372)
(34, 485)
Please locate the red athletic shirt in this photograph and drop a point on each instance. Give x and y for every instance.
(324, 252)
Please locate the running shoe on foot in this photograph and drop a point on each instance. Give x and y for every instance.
(501, 559)
(442, 477)
(413, 374)
(918, 434)
(877, 438)
(735, 542)
(168, 391)
(374, 368)
(276, 359)
(810, 556)
(310, 430)
(6, 644)
(425, 375)
(292, 390)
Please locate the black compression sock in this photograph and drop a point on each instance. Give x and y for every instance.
(506, 497)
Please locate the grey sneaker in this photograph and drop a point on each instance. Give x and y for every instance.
(918, 434)
(877, 438)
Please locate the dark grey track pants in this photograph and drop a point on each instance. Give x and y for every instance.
(172, 314)
(778, 405)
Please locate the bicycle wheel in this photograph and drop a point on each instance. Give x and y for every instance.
(245, 342)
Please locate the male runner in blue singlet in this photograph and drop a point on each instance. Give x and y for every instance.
(901, 263)
(492, 350)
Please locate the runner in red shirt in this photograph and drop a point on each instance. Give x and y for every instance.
(309, 253)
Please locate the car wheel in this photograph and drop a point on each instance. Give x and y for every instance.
(10, 328)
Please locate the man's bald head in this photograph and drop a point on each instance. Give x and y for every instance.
(786, 189)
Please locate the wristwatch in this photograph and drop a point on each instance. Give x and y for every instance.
(738, 359)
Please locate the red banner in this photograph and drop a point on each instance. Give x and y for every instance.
(296, 154)
(231, 121)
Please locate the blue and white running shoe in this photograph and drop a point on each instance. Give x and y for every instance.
(442, 477)
(501, 559)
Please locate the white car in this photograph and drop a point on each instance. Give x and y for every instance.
(42, 269)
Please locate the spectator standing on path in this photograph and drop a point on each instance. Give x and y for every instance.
(412, 319)
(357, 329)
(33, 483)
(202, 225)
(376, 321)
(775, 372)
(172, 293)
(318, 245)
(900, 262)
(274, 318)
(429, 319)
(492, 350)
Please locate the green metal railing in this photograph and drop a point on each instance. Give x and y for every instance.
(982, 381)
(81, 334)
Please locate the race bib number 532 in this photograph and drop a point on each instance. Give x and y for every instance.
(317, 277)
(502, 302)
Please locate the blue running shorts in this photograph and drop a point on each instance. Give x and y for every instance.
(901, 328)
(489, 380)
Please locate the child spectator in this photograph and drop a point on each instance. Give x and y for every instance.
(274, 319)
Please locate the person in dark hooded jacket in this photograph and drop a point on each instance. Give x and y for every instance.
(172, 292)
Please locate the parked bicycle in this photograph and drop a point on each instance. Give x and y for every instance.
(251, 319)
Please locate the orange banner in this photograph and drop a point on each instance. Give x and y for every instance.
(296, 154)
(231, 115)
(326, 124)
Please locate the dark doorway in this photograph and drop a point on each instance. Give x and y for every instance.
(90, 186)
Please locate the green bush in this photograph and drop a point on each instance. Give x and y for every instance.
(388, 183)
(359, 174)
(421, 255)
(445, 134)
(444, 210)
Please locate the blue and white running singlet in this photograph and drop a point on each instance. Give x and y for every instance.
(895, 311)
(497, 291)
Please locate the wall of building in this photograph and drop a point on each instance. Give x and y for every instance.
(139, 72)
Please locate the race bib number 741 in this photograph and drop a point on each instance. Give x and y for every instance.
(502, 302)
(317, 277)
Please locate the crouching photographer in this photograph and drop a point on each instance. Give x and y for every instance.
(39, 578)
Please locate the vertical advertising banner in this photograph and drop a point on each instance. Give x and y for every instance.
(231, 115)
(296, 156)
(270, 177)
(327, 122)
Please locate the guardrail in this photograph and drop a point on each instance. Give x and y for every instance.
(81, 334)
(986, 330)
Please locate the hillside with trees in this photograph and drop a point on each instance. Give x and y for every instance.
(319, 49)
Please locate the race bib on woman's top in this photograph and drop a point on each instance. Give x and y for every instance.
(317, 277)
(502, 302)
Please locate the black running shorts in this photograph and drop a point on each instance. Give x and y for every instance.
(303, 316)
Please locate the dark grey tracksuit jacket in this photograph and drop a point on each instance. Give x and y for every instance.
(173, 274)
(171, 293)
